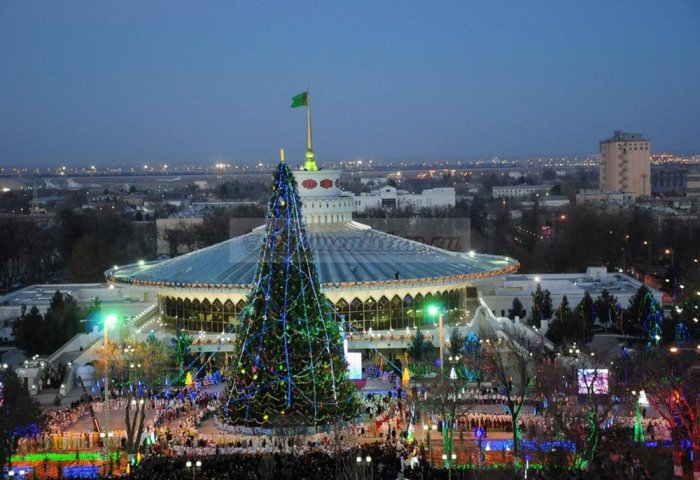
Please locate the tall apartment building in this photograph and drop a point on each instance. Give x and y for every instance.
(692, 188)
(625, 164)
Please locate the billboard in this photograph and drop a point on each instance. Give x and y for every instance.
(593, 380)
(354, 365)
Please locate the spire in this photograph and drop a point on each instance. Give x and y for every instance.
(310, 163)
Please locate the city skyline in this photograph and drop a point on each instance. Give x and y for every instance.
(160, 82)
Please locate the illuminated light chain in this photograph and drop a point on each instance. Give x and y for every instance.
(289, 357)
(404, 282)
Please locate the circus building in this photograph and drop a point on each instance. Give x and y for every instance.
(380, 284)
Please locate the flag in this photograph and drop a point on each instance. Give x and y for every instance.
(300, 100)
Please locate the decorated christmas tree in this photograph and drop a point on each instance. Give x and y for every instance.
(289, 367)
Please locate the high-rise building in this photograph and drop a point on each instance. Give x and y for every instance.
(625, 163)
(693, 183)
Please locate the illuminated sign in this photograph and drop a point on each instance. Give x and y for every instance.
(592, 380)
(355, 365)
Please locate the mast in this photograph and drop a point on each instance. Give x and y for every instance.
(310, 163)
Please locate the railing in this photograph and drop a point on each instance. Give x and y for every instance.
(80, 340)
(140, 320)
(89, 354)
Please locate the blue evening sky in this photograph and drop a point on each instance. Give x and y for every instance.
(87, 82)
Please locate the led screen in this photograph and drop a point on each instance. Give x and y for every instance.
(355, 365)
(594, 380)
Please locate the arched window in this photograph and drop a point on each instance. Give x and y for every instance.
(383, 314)
(356, 314)
(397, 313)
(409, 312)
(240, 306)
(371, 313)
(217, 316)
(205, 323)
(418, 305)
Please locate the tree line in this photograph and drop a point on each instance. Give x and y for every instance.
(44, 334)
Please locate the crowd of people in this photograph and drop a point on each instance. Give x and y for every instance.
(172, 435)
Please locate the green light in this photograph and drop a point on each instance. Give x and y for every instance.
(61, 457)
(110, 321)
(433, 310)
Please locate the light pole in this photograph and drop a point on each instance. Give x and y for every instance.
(434, 310)
(646, 244)
(364, 466)
(669, 251)
(479, 433)
(194, 466)
(110, 321)
(445, 461)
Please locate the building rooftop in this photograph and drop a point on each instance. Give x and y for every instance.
(620, 136)
(346, 254)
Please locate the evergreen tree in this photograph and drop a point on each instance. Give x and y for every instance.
(546, 305)
(456, 342)
(62, 320)
(19, 414)
(636, 317)
(473, 358)
(562, 328)
(517, 310)
(419, 346)
(585, 311)
(606, 309)
(289, 367)
(537, 314)
(28, 331)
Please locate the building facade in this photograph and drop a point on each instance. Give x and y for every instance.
(389, 197)
(625, 164)
(692, 186)
(517, 191)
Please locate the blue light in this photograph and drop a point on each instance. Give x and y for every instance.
(82, 471)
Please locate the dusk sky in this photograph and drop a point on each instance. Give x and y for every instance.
(128, 82)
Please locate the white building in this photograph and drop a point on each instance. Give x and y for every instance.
(625, 163)
(515, 191)
(498, 293)
(390, 197)
(598, 196)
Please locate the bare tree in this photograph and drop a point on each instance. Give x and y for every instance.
(671, 381)
(445, 398)
(562, 382)
(510, 362)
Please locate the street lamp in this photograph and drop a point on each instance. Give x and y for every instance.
(427, 429)
(433, 311)
(445, 461)
(364, 466)
(110, 321)
(194, 466)
(479, 434)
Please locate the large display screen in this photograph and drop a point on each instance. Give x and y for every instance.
(354, 365)
(593, 380)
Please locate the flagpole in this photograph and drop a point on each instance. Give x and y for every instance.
(309, 142)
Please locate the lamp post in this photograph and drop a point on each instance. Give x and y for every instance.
(194, 466)
(364, 466)
(445, 461)
(434, 310)
(479, 436)
(669, 251)
(110, 321)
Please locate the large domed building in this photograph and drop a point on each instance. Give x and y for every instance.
(378, 282)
